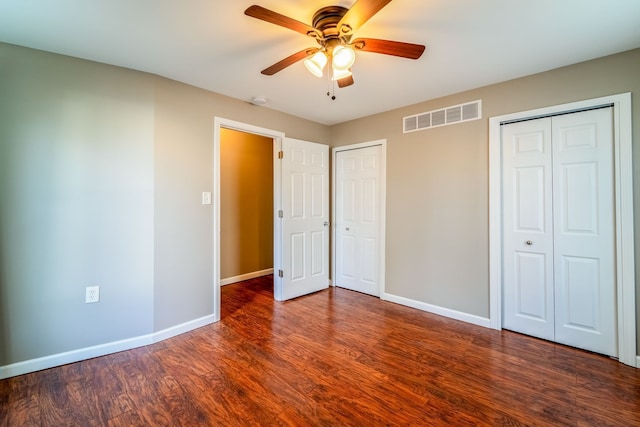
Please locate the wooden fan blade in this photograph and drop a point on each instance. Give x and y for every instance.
(388, 47)
(359, 14)
(346, 81)
(289, 60)
(272, 17)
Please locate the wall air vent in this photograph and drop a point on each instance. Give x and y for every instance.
(410, 123)
(444, 116)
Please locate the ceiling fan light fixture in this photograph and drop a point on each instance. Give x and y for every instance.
(340, 74)
(316, 63)
(332, 29)
(343, 57)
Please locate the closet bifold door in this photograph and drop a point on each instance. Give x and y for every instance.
(584, 231)
(527, 228)
(558, 229)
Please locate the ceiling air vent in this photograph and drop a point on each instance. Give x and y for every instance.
(445, 116)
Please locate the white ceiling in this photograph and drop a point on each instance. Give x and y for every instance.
(213, 45)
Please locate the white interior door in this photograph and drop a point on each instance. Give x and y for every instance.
(528, 228)
(358, 219)
(305, 219)
(559, 246)
(584, 243)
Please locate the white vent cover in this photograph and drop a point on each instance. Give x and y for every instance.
(445, 116)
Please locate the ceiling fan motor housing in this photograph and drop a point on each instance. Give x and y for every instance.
(326, 20)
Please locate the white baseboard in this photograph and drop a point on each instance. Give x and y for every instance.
(100, 350)
(247, 276)
(446, 312)
(441, 311)
(59, 359)
(182, 328)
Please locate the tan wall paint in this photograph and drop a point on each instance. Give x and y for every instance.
(184, 126)
(76, 203)
(129, 220)
(157, 135)
(246, 203)
(437, 180)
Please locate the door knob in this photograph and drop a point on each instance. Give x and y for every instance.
(347, 228)
(326, 223)
(529, 242)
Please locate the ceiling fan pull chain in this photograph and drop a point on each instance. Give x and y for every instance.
(331, 87)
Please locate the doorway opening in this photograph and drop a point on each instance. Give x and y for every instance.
(221, 126)
(301, 224)
(246, 206)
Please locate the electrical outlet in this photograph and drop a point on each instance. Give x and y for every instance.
(92, 294)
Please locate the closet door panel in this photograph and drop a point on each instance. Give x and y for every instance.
(584, 239)
(528, 301)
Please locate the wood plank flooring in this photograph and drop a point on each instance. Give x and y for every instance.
(334, 358)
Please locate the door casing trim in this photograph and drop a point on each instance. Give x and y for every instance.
(624, 227)
(277, 136)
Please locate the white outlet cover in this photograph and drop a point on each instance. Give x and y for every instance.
(92, 294)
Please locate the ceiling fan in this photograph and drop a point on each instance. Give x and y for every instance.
(333, 28)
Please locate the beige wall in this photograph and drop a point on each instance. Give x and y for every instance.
(76, 203)
(102, 170)
(437, 180)
(246, 203)
(101, 174)
(183, 156)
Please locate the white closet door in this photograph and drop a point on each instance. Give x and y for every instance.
(358, 219)
(585, 314)
(559, 242)
(528, 229)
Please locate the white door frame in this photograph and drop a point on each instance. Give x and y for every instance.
(383, 204)
(277, 137)
(623, 177)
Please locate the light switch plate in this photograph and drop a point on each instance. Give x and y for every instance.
(206, 198)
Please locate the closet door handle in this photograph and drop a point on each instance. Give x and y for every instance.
(528, 243)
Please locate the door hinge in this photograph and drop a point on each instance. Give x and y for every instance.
(280, 273)
(280, 214)
(281, 154)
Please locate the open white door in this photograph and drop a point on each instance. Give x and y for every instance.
(304, 213)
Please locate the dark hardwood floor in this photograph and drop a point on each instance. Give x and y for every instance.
(333, 358)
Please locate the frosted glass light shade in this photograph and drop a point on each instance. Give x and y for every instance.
(343, 57)
(316, 63)
(340, 74)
